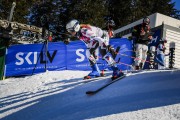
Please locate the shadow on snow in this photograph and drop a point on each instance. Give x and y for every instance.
(136, 92)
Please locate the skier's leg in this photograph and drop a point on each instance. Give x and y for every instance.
(105, 45)
(104, 50)
(138, 55)
(95, 54)
(112, 63)
(151, 56)
(113, 51)
(89, 54)
(144, 55)
(105, 38)
(160, 59)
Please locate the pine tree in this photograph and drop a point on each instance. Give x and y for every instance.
(96, 12)
(21, 9)
(90, 11)
(141, 8)
(120, 12)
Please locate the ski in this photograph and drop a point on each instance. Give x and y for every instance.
(92, 92)
(95, 79)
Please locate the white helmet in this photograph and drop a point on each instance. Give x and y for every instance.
(73, 26)
(146, 20)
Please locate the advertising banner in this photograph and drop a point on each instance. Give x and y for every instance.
(32, 58)
(24, 59)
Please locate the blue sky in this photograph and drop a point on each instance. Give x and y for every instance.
(177, 5)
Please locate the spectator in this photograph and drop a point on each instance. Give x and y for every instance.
(161, 53)
(142, 35)
(109, 28)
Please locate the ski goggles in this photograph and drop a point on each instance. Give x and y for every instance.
(70, 30)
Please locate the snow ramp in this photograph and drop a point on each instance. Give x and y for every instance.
(138, 91)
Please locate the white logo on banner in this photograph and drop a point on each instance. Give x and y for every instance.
(25, 57)
(79, 52)
(20, 55)
(154, 39)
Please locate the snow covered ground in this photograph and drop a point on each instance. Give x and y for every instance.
(60, 95)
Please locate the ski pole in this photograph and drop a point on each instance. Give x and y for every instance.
(124, 64)
(131, 66)
(134, 57)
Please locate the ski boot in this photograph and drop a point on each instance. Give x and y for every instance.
(102, 73)
(137, 67)
(95, 72)
(116, 73)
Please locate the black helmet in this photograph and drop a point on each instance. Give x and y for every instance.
(146, 20)
(111, 23)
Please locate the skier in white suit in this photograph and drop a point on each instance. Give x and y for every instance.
(94, 38)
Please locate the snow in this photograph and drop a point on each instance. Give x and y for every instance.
(60, 95)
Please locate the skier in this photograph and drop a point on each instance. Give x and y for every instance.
(94, 37)
(110, 26)
(152, 53)
(142, 35)
(161, 53)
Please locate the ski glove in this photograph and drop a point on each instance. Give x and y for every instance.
(66, 41)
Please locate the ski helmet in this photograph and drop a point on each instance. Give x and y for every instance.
(146, 20)
(73, 26)
(111, 22)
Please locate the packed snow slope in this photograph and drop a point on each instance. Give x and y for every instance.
(60, 95)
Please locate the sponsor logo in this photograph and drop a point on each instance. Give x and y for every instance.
(81, 56)
(33, 57)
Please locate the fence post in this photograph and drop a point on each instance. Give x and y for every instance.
(2, 60)
(171, 55)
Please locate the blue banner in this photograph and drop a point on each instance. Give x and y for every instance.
(22, 59)
(31, 58)
(124, 58)
(156, 38)
(154, 42)
(76, 56)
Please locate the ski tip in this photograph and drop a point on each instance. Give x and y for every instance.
(89, 92)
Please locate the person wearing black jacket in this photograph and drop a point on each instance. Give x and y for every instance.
(142, 35)
(110, 28)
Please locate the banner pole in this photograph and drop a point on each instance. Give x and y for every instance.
(4, 75)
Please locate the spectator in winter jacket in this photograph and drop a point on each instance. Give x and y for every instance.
(110, 26)
(161, 53)
(142, 35)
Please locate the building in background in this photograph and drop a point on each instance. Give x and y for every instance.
(164, 27)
